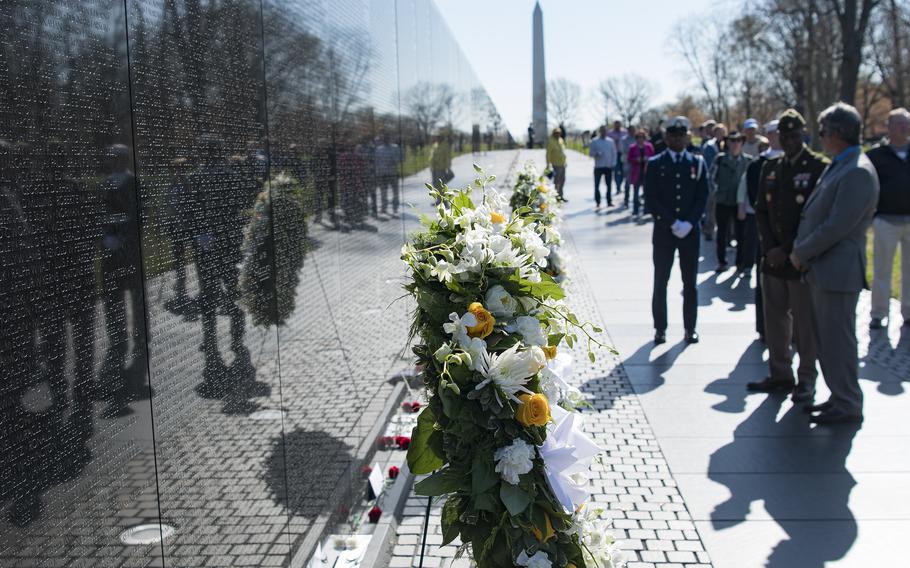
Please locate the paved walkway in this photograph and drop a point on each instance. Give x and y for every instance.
(763, 487)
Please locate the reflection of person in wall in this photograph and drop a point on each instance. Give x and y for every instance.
(68, 291)
(352, 184)
(121, 284)
(178, 210)
(218, 194)
(388, 163)
(441, 161)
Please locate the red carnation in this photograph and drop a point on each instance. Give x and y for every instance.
(403, 442)
(393, 472)
(406, 406)
(384, 442)
(366, 470)
(374, 514)
(415, 406)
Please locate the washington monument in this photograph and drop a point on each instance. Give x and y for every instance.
(539, 81)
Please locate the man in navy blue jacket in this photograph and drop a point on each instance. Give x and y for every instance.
(676, 191)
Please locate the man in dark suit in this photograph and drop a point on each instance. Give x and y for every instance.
(830, 248)
(676, 190)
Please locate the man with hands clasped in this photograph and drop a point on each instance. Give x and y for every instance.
(830, 248)
(676, 192)
(785, 184)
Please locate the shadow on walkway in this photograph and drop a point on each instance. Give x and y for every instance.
(816, 484)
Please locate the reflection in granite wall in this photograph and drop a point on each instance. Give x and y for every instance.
(201, 207)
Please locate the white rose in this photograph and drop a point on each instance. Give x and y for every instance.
(530, 329)
(499, 302)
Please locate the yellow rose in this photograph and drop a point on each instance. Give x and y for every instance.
(485, 321)
(550, 532)
(496, 218)
(543, 206)
(534, 410)
(549, 351)
(542, 188)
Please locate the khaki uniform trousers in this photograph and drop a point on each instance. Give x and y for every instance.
(788, 319)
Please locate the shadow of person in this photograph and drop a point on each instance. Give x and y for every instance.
(806, 483)
(310, 472)
(732, 386)
(728, 288)
(885, 363)
(656, 367)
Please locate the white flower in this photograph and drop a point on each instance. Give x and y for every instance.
(477, 349)
(598, 542)
(539, 560)
(533, 245)
(443, 352)
(530, 329)
(514, 460)
(503, 252)
(443, 271)
(499, 302)
(511, 370)
(458, 328)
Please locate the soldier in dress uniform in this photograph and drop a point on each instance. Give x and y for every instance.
(676, 190)
(784, 187)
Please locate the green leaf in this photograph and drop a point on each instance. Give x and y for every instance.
(440, 483)
(546, 288)
(463, 201)
(591, 356)
(425, 453)
(483, 477)
(485, 502)
(433, 303)
(514, 498)
(569, 341)
(555, 338)
(450, 525)
(597, 329)
(478, 169)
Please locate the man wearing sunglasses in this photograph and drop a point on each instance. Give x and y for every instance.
(830, 248)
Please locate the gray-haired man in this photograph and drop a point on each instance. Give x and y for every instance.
(831, 248)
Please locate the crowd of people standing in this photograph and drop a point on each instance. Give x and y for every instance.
(800, 216)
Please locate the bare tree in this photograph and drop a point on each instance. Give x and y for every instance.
(426, 104)
(701, 43)
(853, 17)
(563, 98)
(891, 50)
(628, 96)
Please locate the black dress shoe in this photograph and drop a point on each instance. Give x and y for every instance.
(770, 385)
(876, 323)
(835, 417)
(660, 337)
(821, 407)
(691, 337)
(803, 393)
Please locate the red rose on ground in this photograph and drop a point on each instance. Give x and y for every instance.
(393, 472)
(406, 406)
(374, 514)
(403, 442)
(384, 442)
(415, 406)
(366, 470)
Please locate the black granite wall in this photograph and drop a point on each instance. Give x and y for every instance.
(200, 216)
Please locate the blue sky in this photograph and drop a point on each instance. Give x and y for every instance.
(585, 41)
